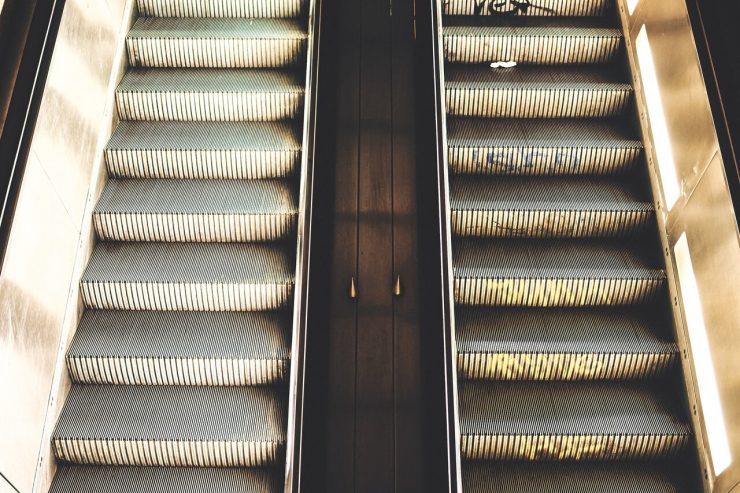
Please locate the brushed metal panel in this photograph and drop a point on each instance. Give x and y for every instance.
(33, 297)
(683, 93)
(50, 239)
(703, 212)
(711, 230)
(68, 130)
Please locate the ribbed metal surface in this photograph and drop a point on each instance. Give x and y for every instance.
(180, 348)
(180, 362)
(243, 150)
(534, 92)
(562, 344)
(558, 421)
(574, 477)
(534, 41)
(209, 42)
(113, 479)
(171, 425)
(546, 207)
(209, 95)
(553, 273)
(556, 8)
(196, 210)
(540, 147)
(220, 8)
(566, 360)
(188, 276)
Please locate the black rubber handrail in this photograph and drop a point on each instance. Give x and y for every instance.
(25, 101)
(453, 472)
(301, 313)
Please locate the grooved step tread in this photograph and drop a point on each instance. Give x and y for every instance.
(535, 92)
(572, 408)
(575, 477)
(532, 194)
(220, 8)
(158, 334)
(552, 146)
(164, 196)
(539, 8)
(172, 412)
(195, 136)
(120, 479)
(216, 28)
(206, 80)
(218, 263)
(553, 78)
(554, 259)
(546, 207)
(592, 330)
(509, 26)
(530, 40)
(574, 133)
(140, 347)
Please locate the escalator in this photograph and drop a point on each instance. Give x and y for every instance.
(568, 376)
(184, 364)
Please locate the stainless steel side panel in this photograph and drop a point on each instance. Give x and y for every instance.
(702, 217)
(50, 239)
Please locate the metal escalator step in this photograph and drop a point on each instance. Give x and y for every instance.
(220, 8)
(189, 276)
(514, 272)
(171, 425)
(562, 344)
(180, 348)
(541, 147)
(541, 41)
(558, 8)
(549, 207)
(209, 94)
(120, 479)
(196, 210)
(535, 92)
(573, 477)
(210, 42)
(233, 150)
(570, 420)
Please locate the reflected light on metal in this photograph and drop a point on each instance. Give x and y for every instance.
(631, 5)
(714, 420)
(661, 139)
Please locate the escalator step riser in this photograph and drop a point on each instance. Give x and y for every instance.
(111, 479)
(564, 8)
(194, 227)
(563, 366)
(232, 164)
(580, 477)
(167, 452)
(201, 106)
(220, 8)
(540, 292)
(176, 371)
(214, 53)
(571, 447)
(536, 103)
(538, 161)
(185, 296)
(549, 223)
(532, 49)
